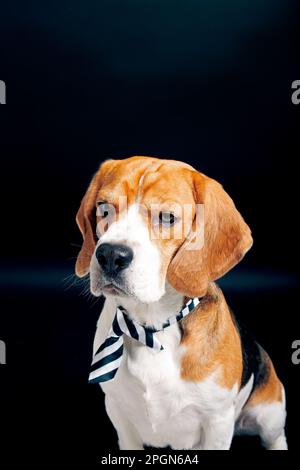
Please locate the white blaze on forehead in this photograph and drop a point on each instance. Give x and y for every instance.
(128, 228)
(143, 276)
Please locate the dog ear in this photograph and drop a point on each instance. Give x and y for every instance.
(226, 239)
(86, 221)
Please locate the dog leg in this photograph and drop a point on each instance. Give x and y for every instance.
(127, 434)
(277, 444)
(218, 431)
(268, 420)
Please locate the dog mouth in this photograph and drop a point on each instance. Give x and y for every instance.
(112, 289)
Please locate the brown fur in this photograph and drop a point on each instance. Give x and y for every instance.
(209, 334)
(226, 240)
(212, 342)
(270, 390)
(118, 180)
(165, 182)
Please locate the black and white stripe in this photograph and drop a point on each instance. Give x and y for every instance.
(108, 357)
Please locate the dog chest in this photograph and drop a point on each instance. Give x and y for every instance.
(165, 409)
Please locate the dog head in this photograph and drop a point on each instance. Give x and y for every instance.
(146, 220)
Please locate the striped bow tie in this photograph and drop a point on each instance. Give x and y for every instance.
(108, 357)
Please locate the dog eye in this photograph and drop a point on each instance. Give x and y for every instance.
(167, 219)
(103, 209)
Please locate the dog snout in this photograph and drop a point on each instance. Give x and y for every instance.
(113, 258)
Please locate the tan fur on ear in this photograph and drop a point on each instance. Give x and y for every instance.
(226, 240)
(86, 221)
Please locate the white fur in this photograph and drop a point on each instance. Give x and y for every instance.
(142, 278)
(149, 403)
(267, 420)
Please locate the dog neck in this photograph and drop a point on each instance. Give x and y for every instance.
(153, 314)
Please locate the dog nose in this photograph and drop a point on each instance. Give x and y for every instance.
(113, 258)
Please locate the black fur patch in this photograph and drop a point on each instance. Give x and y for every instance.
(254, 357)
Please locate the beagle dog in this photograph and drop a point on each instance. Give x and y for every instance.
(210, 379)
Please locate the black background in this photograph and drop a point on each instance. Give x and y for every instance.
(206, 82)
